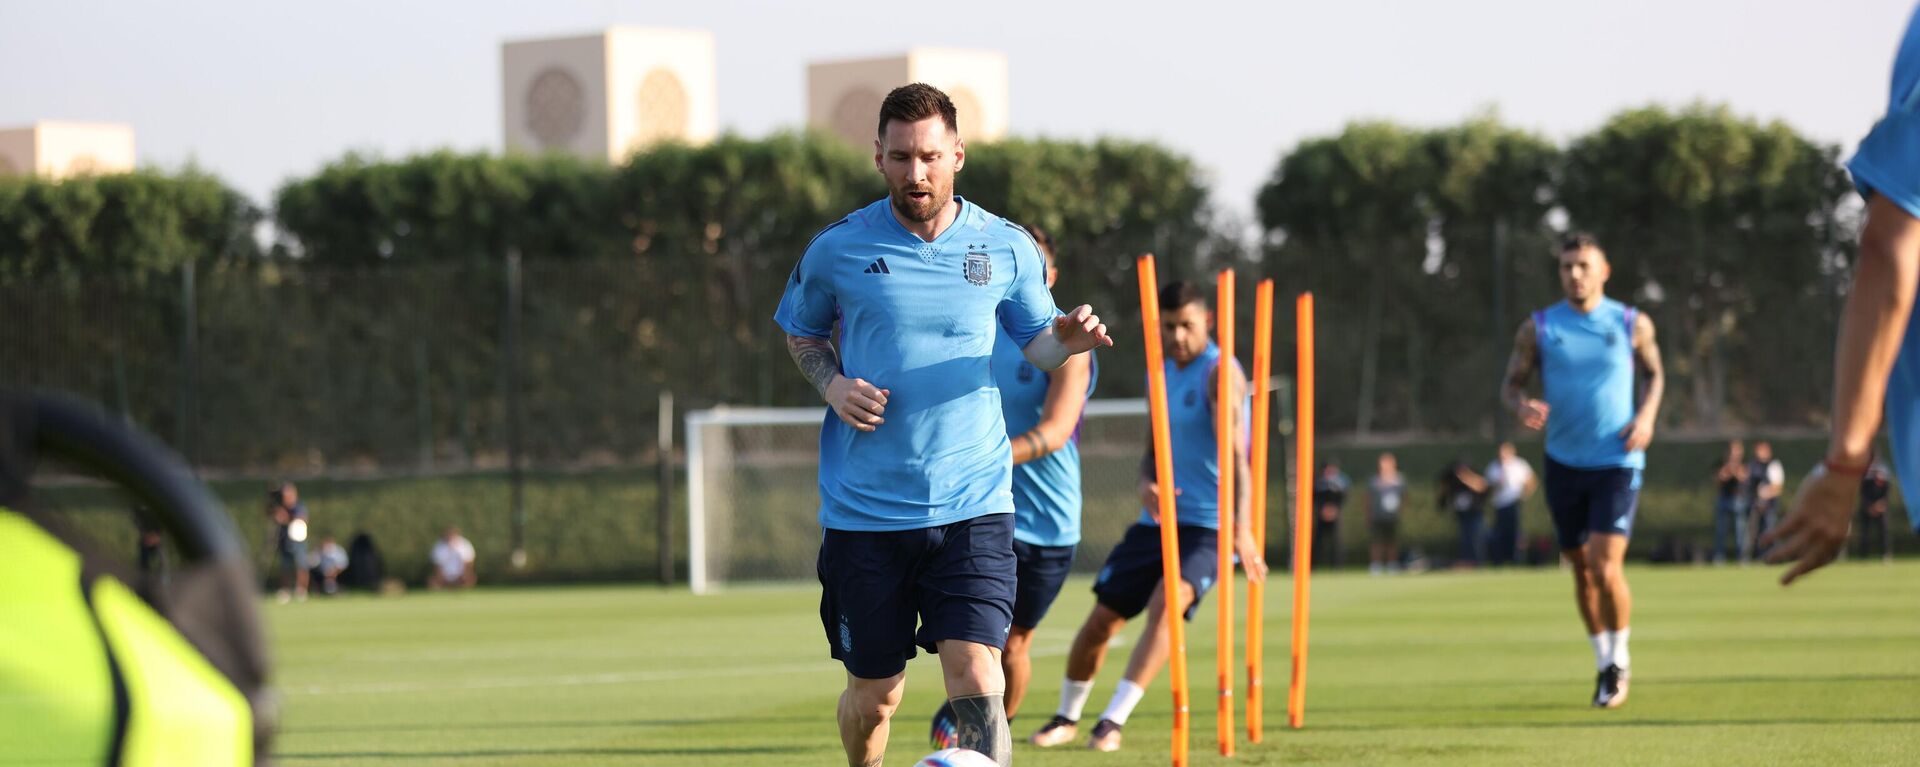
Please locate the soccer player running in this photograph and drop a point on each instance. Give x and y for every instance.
(916, 501)
(1588, 350)
(1130, 580)
(1877, 362)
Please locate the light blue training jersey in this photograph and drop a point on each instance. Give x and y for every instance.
(919, 320)
(1888, 164)
(1586, 368)
(1196, 454)
(1046, 490)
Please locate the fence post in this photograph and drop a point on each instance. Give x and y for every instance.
(514, 479)
(664, 489)
(189, 323)
(423, 409)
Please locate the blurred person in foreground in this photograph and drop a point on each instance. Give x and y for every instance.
(1595, 357)
(1876, 365)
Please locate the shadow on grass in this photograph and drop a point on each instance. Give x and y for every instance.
(541, 725)
(1628, 724)
(335, 756)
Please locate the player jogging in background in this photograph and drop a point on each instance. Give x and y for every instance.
(1129, 582)
(1877, 360)
(1590, 352)
(1043, 414)
(916, 500)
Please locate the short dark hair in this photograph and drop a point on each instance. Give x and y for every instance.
(1580, 241)
(916, 102)
(1179, 293)
(1044, 241)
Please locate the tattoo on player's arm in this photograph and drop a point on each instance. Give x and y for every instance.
(816, 358)
(1646, 351)
(1513, 389)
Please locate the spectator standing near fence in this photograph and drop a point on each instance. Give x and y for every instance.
(1386, 493)
(1329, 495)
(1766, 480)
(1875, 488)
(1730, 539)
(290, 522)
(1510, 482)
(1464, 493)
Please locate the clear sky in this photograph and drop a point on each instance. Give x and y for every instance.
(259, 92)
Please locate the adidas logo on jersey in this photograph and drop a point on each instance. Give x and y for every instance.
(879, 266)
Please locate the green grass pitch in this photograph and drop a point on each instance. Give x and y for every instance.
(1450, 669)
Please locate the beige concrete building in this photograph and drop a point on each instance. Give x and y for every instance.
(607, 94)
(60, 149)
(844, 96)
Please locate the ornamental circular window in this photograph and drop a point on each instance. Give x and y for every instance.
(663, 107)
(556, 108)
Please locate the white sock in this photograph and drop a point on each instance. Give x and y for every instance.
(1620, 656)
(1125, 697)
(1602, 650)
(1073, 698)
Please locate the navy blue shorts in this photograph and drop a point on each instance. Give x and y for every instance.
(1132, 571)
(1587, 501)
(1042, 571)
(955, 581)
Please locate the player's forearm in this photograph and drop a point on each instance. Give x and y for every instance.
(1046, 352)
(816, 359)
(1871, 328)
(1656, 388)
(1243, 493)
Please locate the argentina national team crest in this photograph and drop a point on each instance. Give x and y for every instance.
(979, 268)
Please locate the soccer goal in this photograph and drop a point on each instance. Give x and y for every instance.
(753, 492)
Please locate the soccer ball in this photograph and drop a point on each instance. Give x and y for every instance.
(956, 757)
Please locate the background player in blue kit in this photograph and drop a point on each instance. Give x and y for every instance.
(916, 500)
(1878, 357)
(1590, 350)
(1042, 411)
(1129, 582)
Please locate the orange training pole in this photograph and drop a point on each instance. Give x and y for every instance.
(1256, 592)
(1226, 436)
(1169, 519)
(1303, 511)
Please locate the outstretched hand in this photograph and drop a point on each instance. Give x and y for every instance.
(1251, 560)
(1081, 330)
(1816, 528)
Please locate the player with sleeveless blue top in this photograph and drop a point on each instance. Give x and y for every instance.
(1877, 357)
(1591, 352)
(1129, 582)
(916, 473)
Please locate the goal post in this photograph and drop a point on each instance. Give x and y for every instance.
(753, 489)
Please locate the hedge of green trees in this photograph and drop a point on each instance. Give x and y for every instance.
(370, 329)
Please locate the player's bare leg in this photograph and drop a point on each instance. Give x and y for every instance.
(977, 690)
(1606, 555)
(1017, 666)
(1586, 597)
(866, 709)
(1084, 658)
(1149, 656)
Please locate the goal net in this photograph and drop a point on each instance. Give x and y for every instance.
(753, 493)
